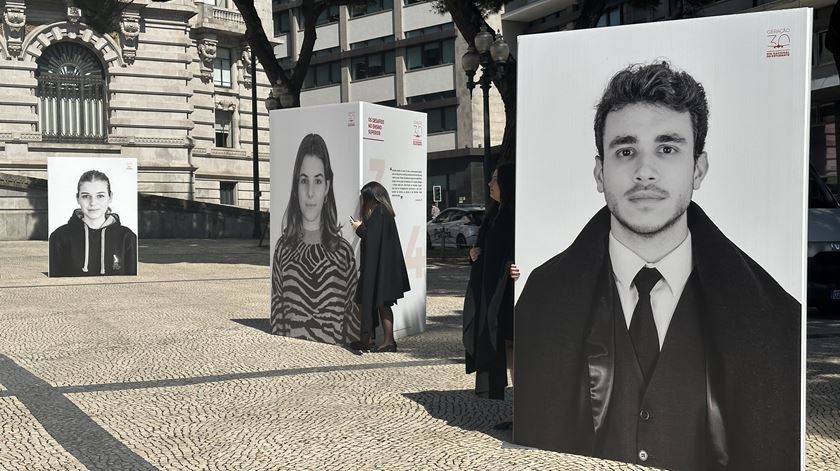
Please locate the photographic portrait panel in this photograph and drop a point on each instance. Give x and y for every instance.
(736, 321)
(314, 188)
(92, 216)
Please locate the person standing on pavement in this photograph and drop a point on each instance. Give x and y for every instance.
(383, 277)
(435, 210)
(488, 303)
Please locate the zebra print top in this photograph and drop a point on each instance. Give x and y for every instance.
(312, 291)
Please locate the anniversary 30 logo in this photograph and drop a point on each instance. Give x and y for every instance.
(778, 42)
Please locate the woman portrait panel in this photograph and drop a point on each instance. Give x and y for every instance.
(314, 269)
(93, 241)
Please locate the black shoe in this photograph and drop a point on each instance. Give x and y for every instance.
(386, 348)
(361, 346)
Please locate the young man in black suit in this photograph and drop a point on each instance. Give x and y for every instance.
(653, 339)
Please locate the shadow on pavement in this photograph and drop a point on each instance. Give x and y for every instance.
(447, 279)
(259, 323)
(71, 427)
(222, 251)
(465, 410)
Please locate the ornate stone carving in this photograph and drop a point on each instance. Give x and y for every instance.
(130, 30)
(207, 54)
(74, 14)
(245, 66)
(226, 104)
(14, 17)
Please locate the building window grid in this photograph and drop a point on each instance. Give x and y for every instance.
(321, 75)
(329, 15)
(221, 68)
(372, 42)
(223, 129)
(227, 193)
(430, 54)
(443, 119)
(73, 98)
(373, 65)
(326, 52)
(429, 30)
(368, 8)
(611, 17)
(281, 23)
(412, 100)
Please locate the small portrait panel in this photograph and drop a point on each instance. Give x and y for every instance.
(92, 216)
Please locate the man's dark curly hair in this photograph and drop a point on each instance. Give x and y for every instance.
(655, 84)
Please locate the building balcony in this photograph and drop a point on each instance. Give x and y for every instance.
(213, 18)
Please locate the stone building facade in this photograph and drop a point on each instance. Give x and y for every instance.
(172, 87)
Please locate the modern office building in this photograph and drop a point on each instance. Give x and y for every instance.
(401, 54)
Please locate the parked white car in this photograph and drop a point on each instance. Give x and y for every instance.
(457, 226)
(823, 247)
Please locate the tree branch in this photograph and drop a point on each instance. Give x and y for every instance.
(258, 40)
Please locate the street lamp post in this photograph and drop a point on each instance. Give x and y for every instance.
(491, 53)
(256, 149)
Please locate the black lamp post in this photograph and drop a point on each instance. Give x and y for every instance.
(490, 52)
(257, 234)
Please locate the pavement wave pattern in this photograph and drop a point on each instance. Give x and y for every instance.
(174, 370)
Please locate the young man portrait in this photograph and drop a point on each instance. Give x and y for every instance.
(654, 339)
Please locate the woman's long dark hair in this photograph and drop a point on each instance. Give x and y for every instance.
(506, 179)
(373, 193)
(313, 145)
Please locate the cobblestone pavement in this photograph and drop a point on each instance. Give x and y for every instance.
(173, 369)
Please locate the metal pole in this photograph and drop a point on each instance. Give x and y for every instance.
(255, 142)
(488, 169)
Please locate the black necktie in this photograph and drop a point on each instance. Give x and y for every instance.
(642, 327)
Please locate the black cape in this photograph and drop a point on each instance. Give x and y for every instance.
(488, 302)
(751, 331)
(383, 277)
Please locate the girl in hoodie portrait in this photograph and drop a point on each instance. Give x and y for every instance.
(314, 268)
(93, 242)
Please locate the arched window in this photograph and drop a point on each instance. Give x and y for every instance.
(73, 103)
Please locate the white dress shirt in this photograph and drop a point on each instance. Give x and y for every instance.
(675, 269)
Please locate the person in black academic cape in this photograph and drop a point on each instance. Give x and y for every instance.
(488, 303)
(383, 277)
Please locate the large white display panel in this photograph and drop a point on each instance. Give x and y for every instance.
(315, 155)
(92, 216)
(394, 154)
(755, 71)
(313, 285)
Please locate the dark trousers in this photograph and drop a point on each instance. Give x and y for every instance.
(490, 380)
